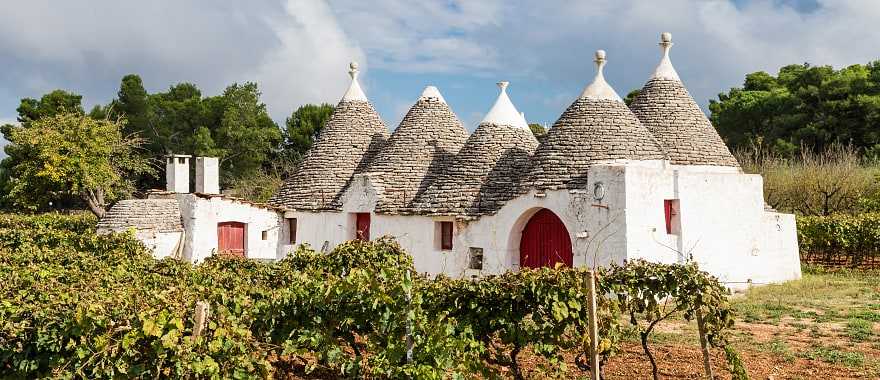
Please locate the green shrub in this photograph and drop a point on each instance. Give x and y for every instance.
(855, 238)
(75, 304)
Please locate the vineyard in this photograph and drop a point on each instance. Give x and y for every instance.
(78, 305)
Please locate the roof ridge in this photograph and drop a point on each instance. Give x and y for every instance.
(431, 92)
(503, 112)
(600, 89)
(354, 93)
(664, 69)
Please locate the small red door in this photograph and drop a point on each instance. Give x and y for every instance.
(545, 241)
(362, 231)
(230, 238)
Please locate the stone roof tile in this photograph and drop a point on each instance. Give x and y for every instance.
(418, 151)
(669, 112)
(162, 215)
(346, 145)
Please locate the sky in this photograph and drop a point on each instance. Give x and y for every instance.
(298, 51)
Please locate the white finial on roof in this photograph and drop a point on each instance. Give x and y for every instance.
(354, 90)
(665, 70)
(432, 92)
(600, 89)
(503, 112)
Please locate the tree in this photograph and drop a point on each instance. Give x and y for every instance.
(301, 129)
(51, 104)
(537, 129)
(133, 102)
(73, 153)
(30, 110)
(802, 106)
(631, 96)
(246, 136)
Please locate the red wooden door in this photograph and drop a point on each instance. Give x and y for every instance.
(230, 238)
(545, 241)
(362, 231)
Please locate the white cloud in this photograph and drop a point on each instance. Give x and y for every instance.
(294, 49)
(311, 63)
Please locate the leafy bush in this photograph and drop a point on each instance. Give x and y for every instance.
(75, 304)
(825, 238)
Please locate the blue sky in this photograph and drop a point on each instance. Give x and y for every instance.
(298, 50)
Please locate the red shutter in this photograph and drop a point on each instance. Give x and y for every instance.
(230, 238)
(668, 212)
(363, 226)
(292, 224)
(446, 235)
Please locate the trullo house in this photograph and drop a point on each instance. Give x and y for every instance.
(607, 183)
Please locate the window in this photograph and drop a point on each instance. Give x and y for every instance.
(181, 160)
(362, 226)
(671, 213)
(265, 235)
(292, 224)
(476, 258)
(445, 235)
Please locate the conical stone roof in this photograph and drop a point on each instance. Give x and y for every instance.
(417, 153)
(346, 145)
(490, 169)
(669, 112)
(597, 127)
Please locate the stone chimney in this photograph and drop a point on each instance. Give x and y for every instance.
(177, 173)
(208, 175)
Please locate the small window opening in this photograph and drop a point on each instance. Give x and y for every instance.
(292, 223)
(445, 235)
(671, 212)
(265, 235)
(181, 160)
(362, 226)
(476, 258)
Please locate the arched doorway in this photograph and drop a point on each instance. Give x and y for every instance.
(545, 241)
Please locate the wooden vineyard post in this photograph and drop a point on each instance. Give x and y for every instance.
(704, 345)
(594, 327)
(201, 318)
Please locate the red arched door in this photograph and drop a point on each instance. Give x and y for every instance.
(545, 242)
(230, 238)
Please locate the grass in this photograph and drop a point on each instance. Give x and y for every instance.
(834, 355)
(859, 330)
(820, 296)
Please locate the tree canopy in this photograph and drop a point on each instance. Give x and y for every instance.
(803, 105)
(234, 125)
(71, 153)
(302, 128)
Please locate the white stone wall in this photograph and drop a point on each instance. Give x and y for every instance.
(723, 225)
(163, 244)
(201, 216)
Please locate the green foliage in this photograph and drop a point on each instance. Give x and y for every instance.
(234, 126)
(812, 106)
(71, 153)
(537, 129)
(853, 237)
(631, 96)
(650, 293)
(75, 304)
(301, 130)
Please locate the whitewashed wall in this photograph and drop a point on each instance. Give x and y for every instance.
(723, 224)
(201, 216)
(163, 244)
